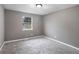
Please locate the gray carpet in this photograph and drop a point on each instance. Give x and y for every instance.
(37, 46)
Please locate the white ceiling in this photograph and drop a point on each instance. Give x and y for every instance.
(31, 8)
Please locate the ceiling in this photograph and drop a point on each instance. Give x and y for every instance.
(31, 8)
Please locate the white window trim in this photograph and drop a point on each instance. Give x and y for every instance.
(25, 29)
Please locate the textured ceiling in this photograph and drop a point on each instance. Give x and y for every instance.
(31, 8)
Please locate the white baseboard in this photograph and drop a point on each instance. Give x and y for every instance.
(63, 43)
(37, 37)
(19, 40)
(22, 39)
(2, 45)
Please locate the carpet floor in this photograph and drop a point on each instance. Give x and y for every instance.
(39, 45)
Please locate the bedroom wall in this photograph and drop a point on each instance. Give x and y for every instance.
(13, 25)
(64, 25)
(1, 25)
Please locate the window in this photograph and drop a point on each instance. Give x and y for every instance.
(27, 23)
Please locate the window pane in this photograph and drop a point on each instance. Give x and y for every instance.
(27, 23)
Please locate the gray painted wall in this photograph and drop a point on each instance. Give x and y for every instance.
(1, 25)
(64, 25)
(13, 25)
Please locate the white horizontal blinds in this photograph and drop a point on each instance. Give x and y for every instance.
(27, 23)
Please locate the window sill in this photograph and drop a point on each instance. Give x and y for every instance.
(27, 29)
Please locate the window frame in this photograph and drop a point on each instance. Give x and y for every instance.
(25, 29)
